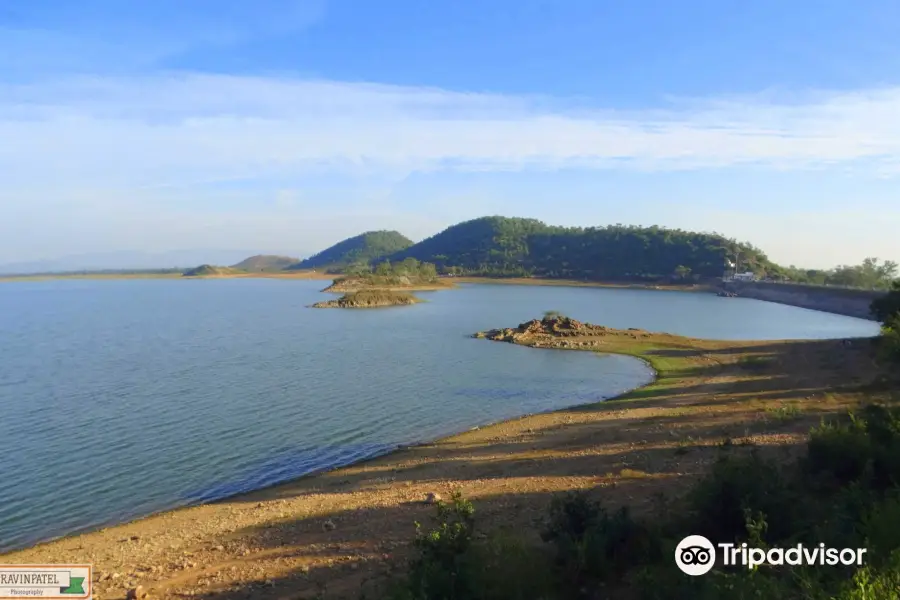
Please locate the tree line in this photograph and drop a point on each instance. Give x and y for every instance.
(870, 274)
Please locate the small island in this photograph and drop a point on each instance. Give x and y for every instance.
(558, 331)
(406, 275)
(370, 299)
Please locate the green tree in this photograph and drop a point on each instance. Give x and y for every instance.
(384, 268)
(409, 266)
(887, 306)
(682, 272)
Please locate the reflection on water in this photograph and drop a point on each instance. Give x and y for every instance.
(122, 398)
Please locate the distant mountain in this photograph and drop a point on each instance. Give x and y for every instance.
(265, 263)
(516, 246)
(209, 271)
(100, 261)
(364, 248)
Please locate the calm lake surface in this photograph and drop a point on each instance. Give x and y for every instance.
(123, 398)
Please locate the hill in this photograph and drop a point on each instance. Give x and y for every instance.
(502, 246)
(266, 263)
(361, 249)
(210, 271)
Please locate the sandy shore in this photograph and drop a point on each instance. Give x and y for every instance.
(336, 532)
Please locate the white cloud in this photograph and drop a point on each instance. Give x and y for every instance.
(139, 162)
(176, 129)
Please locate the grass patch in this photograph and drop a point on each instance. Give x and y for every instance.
(784, 412)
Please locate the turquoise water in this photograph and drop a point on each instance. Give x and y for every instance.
(123, 398)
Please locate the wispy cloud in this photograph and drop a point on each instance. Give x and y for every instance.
(177, 129)
(109, 36)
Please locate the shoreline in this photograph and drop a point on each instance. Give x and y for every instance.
(340, 526)
(387, 453)
(393, 288)
(449, 282)
(115, 276)
(547, 282)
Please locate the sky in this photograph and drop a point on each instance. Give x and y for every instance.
(287, 125)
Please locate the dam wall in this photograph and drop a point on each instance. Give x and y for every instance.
(842, 301)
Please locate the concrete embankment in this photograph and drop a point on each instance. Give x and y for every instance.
(841, 301)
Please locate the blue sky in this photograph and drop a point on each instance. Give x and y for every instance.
(286, 125)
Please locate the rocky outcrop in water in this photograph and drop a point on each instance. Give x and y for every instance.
(557, 332)
(369, 299)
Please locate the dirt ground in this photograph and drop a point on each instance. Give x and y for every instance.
(336, 533)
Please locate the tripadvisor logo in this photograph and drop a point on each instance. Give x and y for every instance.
(696, 555)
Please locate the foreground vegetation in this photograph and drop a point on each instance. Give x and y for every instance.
(887, 310)
(843, 492)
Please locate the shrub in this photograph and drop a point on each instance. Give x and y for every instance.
(508, 568)
(451, 565)
(865, 450)
(443, 569)
(591, 544)
(720, 502)
(889, 343)
(887, 306)
(839, 451)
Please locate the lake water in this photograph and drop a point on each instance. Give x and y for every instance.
(123, 398)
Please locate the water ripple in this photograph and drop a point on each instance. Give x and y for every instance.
(123, 398)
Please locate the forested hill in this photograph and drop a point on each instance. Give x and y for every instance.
(516, 246)
(364, 248)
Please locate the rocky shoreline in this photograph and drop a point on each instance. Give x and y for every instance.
(559, 331)
(369, 299)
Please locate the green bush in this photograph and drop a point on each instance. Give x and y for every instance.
(838, 452)
(865, 450)
(887, 306)
(509, 568)
(451, 565)
(738, 487)
(889, 342)
(443, 569)
(591, 544)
